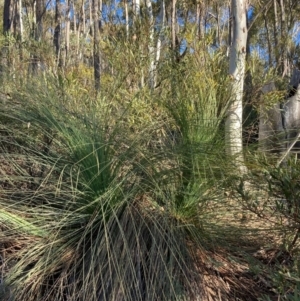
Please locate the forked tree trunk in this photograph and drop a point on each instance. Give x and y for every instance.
(233, 125)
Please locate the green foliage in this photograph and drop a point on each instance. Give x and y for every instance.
(113, 196)
(93, 218)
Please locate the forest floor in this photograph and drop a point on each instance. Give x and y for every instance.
(247, 260)
(244, 259)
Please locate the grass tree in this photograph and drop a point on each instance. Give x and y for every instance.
(99, 224)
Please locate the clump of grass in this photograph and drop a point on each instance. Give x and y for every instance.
(88, 193)
(196, 105)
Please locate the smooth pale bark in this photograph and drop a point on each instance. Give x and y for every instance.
(81, 31)
(83, 17)
(291, 109)
(279, 126)
(155, 53)
(234, 121)
(173, 25)
(21, 20)
(126, 19)
(160, 39)
(136, 8)
(151, 44)
(74, 18)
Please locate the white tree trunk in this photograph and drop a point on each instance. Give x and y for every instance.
(126, 19)
(21, 20)
(155, 53)
(233, 125)
(136, 8)
(151, 45)
(160, 39)
(173, 24)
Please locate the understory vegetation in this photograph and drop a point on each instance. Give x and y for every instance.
(127, 194)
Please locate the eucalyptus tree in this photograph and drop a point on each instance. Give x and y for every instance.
(274, 35)
(7, 27)
(8, 16)
(136, 8)
(57, 32)
(12, 25)
(126, 18)
(151, 44)
(37, 35)
(67, 30)
(234, 121)
(97, 9)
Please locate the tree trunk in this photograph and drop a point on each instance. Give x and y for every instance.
(151, 44)
(67, 33)
(173, 25)
(275, 33)
(7, 27)
(126, 19)
(291, 109)
(136, 8)
(270, 59)
(229, 31)
(57, 33)
(39, 20)
(233, 125)
(160, 39)
(18, 20)
(37, 34)
(7, 16)
(80, 32)
(96, 46)
(74, 18)
(270, 125)
(283, 67)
